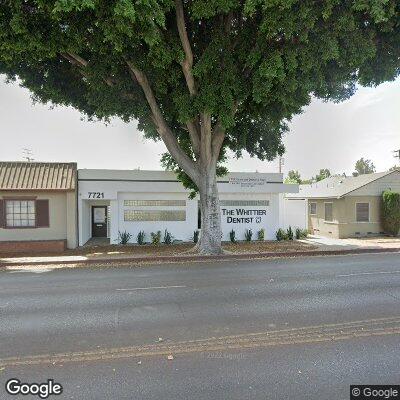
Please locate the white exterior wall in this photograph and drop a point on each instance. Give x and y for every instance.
(241, 218)
(113, 187)
(295, 213)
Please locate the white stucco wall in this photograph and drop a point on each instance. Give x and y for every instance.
(113, 187)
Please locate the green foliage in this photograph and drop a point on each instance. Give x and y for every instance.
(280, 235)
(248, 235)
(364, 166)
(293, 177)
(155, 237)
(196, 236)
(323, 174)
(232, 236)
(140, 237)
(124, 237)
(167, 237)
(261, 234)
(301, 233)
(256, 63)
(289, 233)
(391, 212)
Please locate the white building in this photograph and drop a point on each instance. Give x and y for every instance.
(113, 201)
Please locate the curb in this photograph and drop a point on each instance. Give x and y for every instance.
(194, 258)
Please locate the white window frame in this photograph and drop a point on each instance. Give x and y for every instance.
(325, 203)
(313, 202)
(369, 212)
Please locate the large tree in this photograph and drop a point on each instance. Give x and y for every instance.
(364, 166)
(201, 75)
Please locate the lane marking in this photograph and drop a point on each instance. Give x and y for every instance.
(309, 334)
(370, 273)
(150, 288)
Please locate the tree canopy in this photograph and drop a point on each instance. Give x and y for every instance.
(323, 174)
(293, 177)
(364, 166)
(253, 63)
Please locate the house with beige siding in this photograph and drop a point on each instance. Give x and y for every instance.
(38, 206)
(343, 207)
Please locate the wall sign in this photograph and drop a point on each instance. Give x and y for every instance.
(247, 182)
(242, 216)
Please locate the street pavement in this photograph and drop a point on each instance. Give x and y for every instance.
(303, 328)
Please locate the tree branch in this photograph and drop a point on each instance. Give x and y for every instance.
(187, 63)
(163, 129)
(193, 129)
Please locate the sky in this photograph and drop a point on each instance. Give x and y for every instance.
(325, 135)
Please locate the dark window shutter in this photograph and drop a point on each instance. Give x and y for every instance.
(42, 213)
(2, 214)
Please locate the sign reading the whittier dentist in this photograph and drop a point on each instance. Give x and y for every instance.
(242, 216)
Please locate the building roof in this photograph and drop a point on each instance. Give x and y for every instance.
(18, 175)
(338, 186)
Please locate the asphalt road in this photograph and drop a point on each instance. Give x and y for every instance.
(302, 328)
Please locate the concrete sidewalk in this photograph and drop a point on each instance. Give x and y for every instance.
(324, 243)
(123, 259)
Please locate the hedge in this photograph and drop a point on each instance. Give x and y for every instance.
(391, 212)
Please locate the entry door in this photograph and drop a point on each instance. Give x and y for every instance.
(99, 221)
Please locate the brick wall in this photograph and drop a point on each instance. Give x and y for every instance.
(33, 246)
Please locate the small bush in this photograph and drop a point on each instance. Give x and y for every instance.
(124, 237)
(280, 235)
(248, 235)
(232, 235)
(298, 233)
(140, 237)
(289, 233)
(261, 234)
(155, 237)
(167, 237)
(391, 212)
(304, 233)
(196, 236)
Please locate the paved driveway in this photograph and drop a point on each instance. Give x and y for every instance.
(325, 243)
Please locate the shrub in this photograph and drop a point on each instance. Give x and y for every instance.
(280, 234)
(167, 237)
(155, 237)
(124, 237)
(140, 237)
(248, 235)
(196, 236)
(298, 233)
(304, 233)
(261, 234)
(289, 233)
(232, 235)
(391, 212)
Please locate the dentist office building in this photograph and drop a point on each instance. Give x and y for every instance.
(49, 206)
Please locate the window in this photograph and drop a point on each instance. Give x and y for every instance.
(313, 208)
(162, 215)
(20, 213)
(157, 203)
(244, 203)
(328, 211)
(362, 212)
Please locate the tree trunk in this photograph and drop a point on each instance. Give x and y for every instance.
(210, 237)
